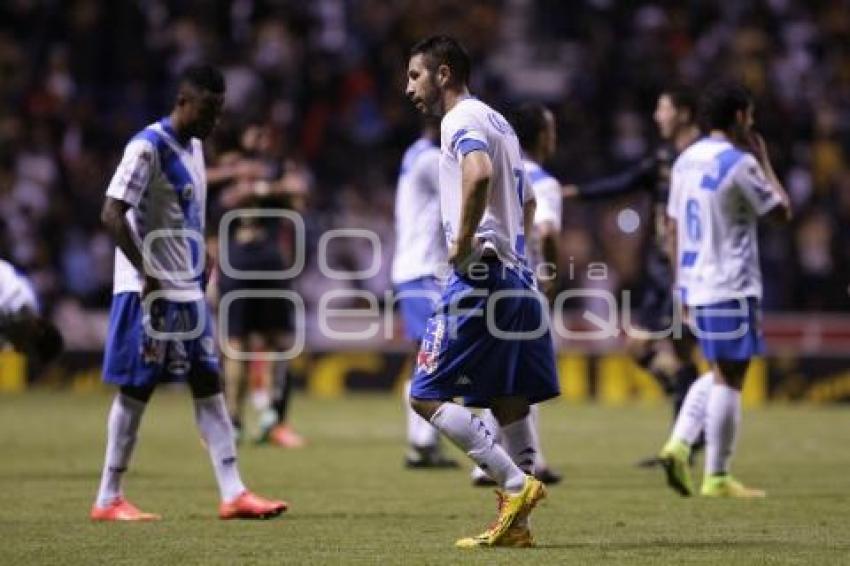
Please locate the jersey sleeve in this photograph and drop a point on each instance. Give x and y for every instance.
(549, 203)
(133, 174)
(463, 136)
(752, 183)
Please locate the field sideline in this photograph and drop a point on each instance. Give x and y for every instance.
(352, 502)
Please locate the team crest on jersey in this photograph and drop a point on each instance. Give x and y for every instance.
(432, 344)
(188, 192)
(500, 124)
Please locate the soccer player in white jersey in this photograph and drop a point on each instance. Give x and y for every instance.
(720, 187)
(488, 341)
(535, 128)
(420, 252)
(159, 325)
(21, 322)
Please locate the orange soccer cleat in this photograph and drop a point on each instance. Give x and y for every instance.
(250, 506)
(285, 436)
(121, 510)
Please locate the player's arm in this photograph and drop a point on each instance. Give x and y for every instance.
(124, 192)
(476, 172)
(776, 207)
(639, 176)
(113, 215)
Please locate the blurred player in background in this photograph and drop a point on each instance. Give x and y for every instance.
(668, 359)
(254, 180)
(535, 128)
(487, 209)
(720, 187)
(420, 252)
(155, 208)
(21, 322)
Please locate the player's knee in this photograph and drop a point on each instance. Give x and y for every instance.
(731, 372)
(509, 410)
(425, 408)
(141, 394)
(205, 385)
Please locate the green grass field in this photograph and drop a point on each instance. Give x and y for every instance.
(352, 502)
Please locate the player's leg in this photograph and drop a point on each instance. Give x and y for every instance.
(479, 476)
(417, 300)
(423, 441)
(729, 336)
(125, 416)
(235, 386)
(216, 428)
(132, 362)
(687, 432)
(469, 433)
(274, 426)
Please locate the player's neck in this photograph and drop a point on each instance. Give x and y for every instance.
(451, 97)
(686, 137)
(718, 135)
(179, 128)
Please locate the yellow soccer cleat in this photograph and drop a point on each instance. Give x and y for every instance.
(514, 537)
(505, 531)
(674, 459)
(724, 485)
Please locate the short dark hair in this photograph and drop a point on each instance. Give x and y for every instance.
(721, 102)
(203, 77)
(528, 120)
(683, 97)
(445, 50)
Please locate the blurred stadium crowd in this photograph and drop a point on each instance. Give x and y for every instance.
(324, 79)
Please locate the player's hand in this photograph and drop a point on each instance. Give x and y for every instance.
(461, 255)
(569, 191)
(757, 145)
(549, 288)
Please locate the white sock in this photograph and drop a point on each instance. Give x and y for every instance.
(534, 420)
(214, 424)
(420, 433)
(493, 426)
(121, 429)
(691, 420)
(722, 418)
(469, 433)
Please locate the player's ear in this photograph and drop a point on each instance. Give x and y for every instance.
(444, 75)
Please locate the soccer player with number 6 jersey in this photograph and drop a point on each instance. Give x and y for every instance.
(720, 186)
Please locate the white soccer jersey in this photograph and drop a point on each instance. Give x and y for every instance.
(547, 192)
(166, 186)
(717, 193)
(420, 246)
(471, 126)
(16, 292)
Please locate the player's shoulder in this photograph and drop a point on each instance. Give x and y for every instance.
(148, 139)
(536, 173)
(422, 150)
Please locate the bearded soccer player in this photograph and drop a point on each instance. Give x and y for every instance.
(535, 127)
(503, 361)
(159, 325)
